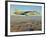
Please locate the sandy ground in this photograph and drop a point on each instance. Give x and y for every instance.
(25, 23)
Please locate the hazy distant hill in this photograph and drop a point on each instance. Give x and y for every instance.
(31, 13)
(28, 13)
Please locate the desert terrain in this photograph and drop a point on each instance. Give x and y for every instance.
(25, 23)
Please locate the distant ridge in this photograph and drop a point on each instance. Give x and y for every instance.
(28, 13)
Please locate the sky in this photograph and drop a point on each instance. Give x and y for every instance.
(26, 8)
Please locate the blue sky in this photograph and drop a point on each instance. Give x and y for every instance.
(26, 8)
